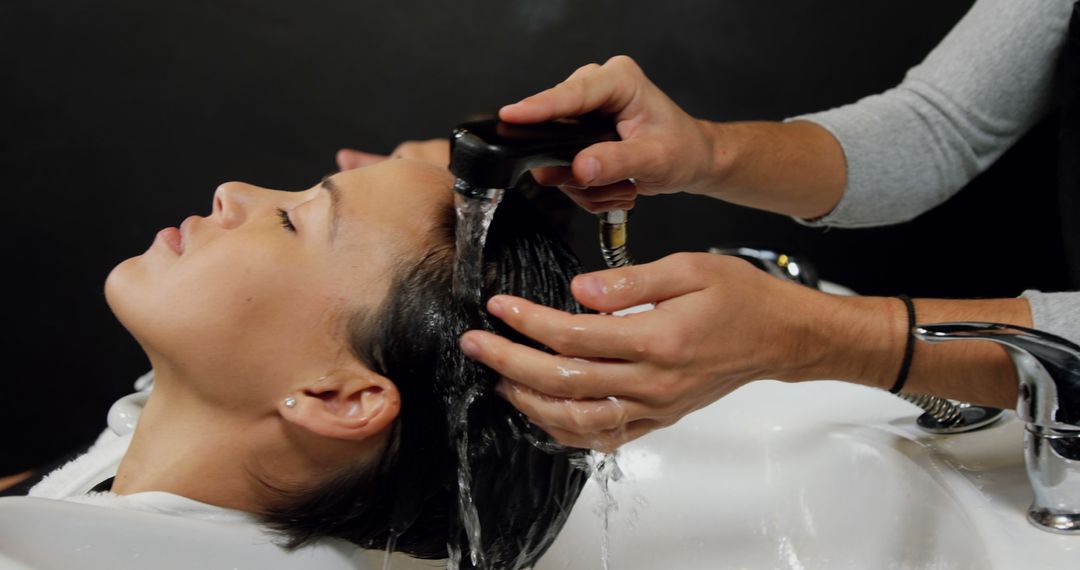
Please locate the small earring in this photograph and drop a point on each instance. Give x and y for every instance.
(290, 402)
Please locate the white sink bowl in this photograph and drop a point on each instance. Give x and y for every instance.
(815, 476)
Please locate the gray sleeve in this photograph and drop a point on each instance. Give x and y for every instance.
(912, 147)
(1056, 313)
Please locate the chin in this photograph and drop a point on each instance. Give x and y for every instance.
(159, 317)
(124, 294)
(118, 283)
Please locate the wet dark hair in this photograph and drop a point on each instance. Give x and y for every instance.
(522, 486)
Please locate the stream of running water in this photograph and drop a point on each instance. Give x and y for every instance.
(474, 217)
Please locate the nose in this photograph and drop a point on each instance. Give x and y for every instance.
(234, 202)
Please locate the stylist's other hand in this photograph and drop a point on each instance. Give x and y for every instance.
(436, 151)
(718, 324)
(663, 149)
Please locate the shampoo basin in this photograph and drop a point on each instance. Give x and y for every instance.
(821, 475)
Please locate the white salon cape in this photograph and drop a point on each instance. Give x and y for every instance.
(74, 480)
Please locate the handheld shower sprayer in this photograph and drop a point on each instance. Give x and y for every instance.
(489, 156)
(493, 154)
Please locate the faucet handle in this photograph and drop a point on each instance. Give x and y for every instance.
(1047, 367)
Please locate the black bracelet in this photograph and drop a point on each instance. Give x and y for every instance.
(909, 348)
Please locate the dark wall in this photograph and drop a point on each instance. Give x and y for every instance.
(121, 117)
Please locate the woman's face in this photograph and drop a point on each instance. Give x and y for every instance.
(251, 299)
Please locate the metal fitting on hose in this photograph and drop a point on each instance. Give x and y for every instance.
(613, 238)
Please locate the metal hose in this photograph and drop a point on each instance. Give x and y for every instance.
(613, 238)
(945, 412)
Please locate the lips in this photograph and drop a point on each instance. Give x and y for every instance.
(177, 238)
(172, 239)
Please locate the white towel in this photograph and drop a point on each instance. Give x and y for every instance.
(73, 480)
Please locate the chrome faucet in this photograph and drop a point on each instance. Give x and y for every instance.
(1048, 368)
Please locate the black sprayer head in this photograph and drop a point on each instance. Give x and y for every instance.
(494, 154)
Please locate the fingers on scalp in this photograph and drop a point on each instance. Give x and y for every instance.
(520, 313)
(551, 375)
(573, 335)
(577, 416)
(531, 319)
(497, 352)
(561, 335)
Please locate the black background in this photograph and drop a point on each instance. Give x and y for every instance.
(121, 117)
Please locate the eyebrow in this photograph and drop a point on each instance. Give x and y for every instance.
(335, 202)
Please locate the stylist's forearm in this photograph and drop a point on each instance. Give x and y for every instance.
(865, 339)
(795, 168)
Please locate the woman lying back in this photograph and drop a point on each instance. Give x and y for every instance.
(305, 350)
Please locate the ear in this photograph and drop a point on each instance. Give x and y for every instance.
(352, 404)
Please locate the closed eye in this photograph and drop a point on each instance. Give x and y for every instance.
(285, 221)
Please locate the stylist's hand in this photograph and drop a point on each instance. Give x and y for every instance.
(718, 324)
(663, 149)
(436, 151)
